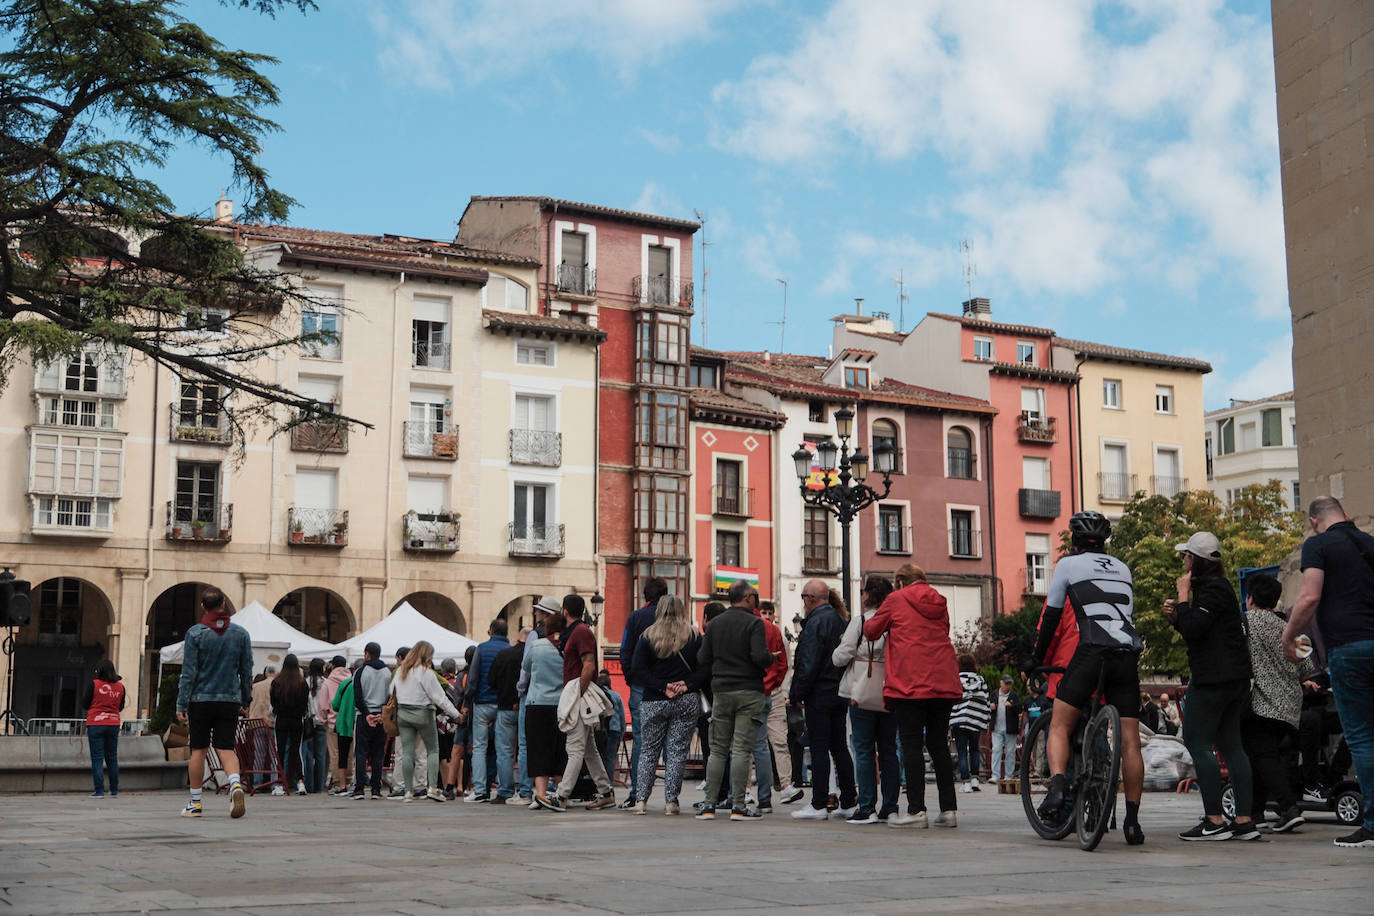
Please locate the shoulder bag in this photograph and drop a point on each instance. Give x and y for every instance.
(389, 720)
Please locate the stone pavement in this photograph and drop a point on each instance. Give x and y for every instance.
(69, 854)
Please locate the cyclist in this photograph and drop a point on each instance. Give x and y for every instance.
(1099, 589)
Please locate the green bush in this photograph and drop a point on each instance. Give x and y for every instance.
(166, 710)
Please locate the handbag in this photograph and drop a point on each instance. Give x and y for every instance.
(389, 720)
(866, 690)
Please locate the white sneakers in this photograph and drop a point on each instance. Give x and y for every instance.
(917, 821)
(965, 788)
(947, 819)
(808, 813)
(789, 795)
(278, 790)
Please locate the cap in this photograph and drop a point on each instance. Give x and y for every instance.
(1202, 544)
(549, 605)
(1008, 679)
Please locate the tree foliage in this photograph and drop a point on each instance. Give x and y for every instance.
(94, 95)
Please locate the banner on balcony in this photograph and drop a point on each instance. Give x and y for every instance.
(727, 575)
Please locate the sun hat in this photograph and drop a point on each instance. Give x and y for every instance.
(549, 605)
(1202, 544)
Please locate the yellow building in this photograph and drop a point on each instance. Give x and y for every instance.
(1140, 422)
(134, 497)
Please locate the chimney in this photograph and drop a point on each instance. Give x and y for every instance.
(224, 209)
(767, 358)
(858, 306)
(978, 308)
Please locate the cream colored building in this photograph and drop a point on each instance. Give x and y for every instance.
(132, 499)
(1253, 442)
(1139, 422)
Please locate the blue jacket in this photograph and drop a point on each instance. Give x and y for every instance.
(478, 690)
(638, 622)
(216, 668)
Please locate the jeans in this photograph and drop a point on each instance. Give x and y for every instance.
(636, 698)
(608, 756)
(1003, 755)
(417, 723)
(315, 754)
(763, 763)
(870, 730)
(104, 742)
(522, 762)
(966, 746)
(1211, 718)
(926, 722)
(1352, 683)
(289, 750)
(484, 715)
(825, 715)
(736, 717)
(369, 747)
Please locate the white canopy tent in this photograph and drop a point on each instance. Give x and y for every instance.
(406, 626)
(271, 636)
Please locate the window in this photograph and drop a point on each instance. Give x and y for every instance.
(657, 288)
(93, 414)
(729, 495)
(429, 341)
(1226, 435)
(59, 608)
(704, 376)
(963, 540)
(728, 548)
(1025, 352)
(959, 451)
(507, 294)
(1249, 437)
(76, 464)
(197, 494)
(1111, 393)
(661, 430)
(885, 434)
(1164, 399)
(317, 489)
(1037, 563)
(93, 371)
(322, 389)
(1168, 479)
(575, 275)
(816, 412)
(661, 349)
(72, 512)
(982, 348)
(427, 495)
(1296, 505)
(533, 412)
(320, 315)
(211, 320)
(1033, 405)
(200, 405)
(1035, 473)
(891, 530)
(1207, 452)
(816, 539)
(855, 377)
(531, 511)
(1271, 427)
(661, 514)
(1116, 479)
(528, 353)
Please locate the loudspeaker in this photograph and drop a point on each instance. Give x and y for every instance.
(15, 603)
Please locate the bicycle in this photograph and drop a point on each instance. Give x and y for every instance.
(1093, 770)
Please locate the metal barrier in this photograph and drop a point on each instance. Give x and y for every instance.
(58, 727)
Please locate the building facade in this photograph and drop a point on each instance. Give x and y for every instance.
(1253, 442)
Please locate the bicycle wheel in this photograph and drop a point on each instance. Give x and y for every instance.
(1035, 763)
(1101, 768)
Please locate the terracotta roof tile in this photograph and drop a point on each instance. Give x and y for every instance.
(1025, 329)
(1122, 354)
(493, 319)
(709, 403)
(1282, 396)
(599, 210)
(377, 243)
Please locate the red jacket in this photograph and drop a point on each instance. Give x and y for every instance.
(773, 676)
(106, 700)
(1062, 646)
(920, 657)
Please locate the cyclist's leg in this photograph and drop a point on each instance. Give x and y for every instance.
(1061, 728)
(1132, 765)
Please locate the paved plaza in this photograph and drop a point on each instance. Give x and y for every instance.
(71, 854)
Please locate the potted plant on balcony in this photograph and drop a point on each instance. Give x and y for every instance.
(340, 533)
(198, 528)
(297, 532)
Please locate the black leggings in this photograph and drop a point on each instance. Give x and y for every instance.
(1211, 717)
(1265, 741)
(926, 722)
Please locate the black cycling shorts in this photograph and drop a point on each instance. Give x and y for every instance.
(212, 723)
(1120, 684)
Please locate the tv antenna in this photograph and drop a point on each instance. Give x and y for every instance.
(701, 218)
(782, 325)
(970, 266)
(900, 280)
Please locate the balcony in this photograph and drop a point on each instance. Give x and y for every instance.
(1115, 488)
(431, 355)
(1168, 486)
(1037, 429)
(319, 436)
(93, 374)
(430, 532)
(318, 527)
(535, 540)
(207, 427)
(822, 559)
(962, 463)
(206, 524)
(1038, 503)
(894, 540)
(1036, 580)
(662, 291)
(734, 501)
(577, 280)
(537, 447)
(965, 543)
(424, 440)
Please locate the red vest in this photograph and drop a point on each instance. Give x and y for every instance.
(106, 698)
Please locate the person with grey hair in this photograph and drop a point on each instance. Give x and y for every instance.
(447, 727)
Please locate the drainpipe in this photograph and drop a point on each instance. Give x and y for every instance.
(549, 280)
(992, 514)
(1077, 394)
(391, 431)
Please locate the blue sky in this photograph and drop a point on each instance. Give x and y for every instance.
(1114, 164)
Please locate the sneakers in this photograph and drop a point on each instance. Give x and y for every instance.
(974, 783)
(882, 816)
(638, 807)
(671, 808)
(947, 819)
(300, 787)
(97, 795)
(1289, 820)
(916, 820)
(236, 800)
(473, 798)
(789, 795)
(551, 803)
(1206, 830)
(1315, 795)
(358, 795)
(765, 809)
(1360, 839)
(706, 814)
(630, 804)
(1133, 834)
(450, 795)
(500, 800)
(192, 809)
(278, 790)
(1245, 831)
(966, 788)
(602, 801)
(809, 813)
(862, 816)
(744, 814)
(436, 795)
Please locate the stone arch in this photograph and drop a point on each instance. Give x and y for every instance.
(439, 608)
(56, 651)
(174, 611)
(319, 612)
(519, 611)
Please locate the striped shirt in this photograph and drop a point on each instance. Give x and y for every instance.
(972, 713)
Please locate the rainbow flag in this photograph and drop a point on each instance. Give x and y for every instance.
(725, 577)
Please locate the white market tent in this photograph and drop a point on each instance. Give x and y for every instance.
(406, 626)
(268, 632)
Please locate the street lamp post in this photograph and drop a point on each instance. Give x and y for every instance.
(848, 494)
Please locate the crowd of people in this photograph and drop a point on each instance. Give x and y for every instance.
(876, 693)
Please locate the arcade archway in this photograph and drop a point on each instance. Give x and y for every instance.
(56, 652)
(439, 608)
(317, 612)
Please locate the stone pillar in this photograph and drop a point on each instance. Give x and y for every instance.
(480, 611)
(370, 607)
(128, 632)
(254, 588)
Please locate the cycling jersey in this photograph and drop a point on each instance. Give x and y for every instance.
(1099, 587)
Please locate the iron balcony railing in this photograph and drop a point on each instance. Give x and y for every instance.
(965, 542)
(1115, 487)
(319, 436)
(535, 540)
(577, 279)
(820, 558)
(894, 540)
(536, 446)
(662, 291)
(736, 501)
(1037, 580)
(429, 440)
(317, 527)
(1038, 503)
(203, 424)
(962, 463)
(1168, 486)
(433, 532)
(213, 522)
(431, 354)
(1037, 429)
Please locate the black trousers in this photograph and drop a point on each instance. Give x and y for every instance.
(926, 722)
(825, 729)
(1265, 741)
(369, 747)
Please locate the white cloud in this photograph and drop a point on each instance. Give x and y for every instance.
(769, 252)
(878, 261)
(654, 199)
(664, 143)
(1255, 375)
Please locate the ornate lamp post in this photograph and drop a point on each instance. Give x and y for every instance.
(848, 495)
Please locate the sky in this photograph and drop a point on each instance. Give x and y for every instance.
(1112, 166)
